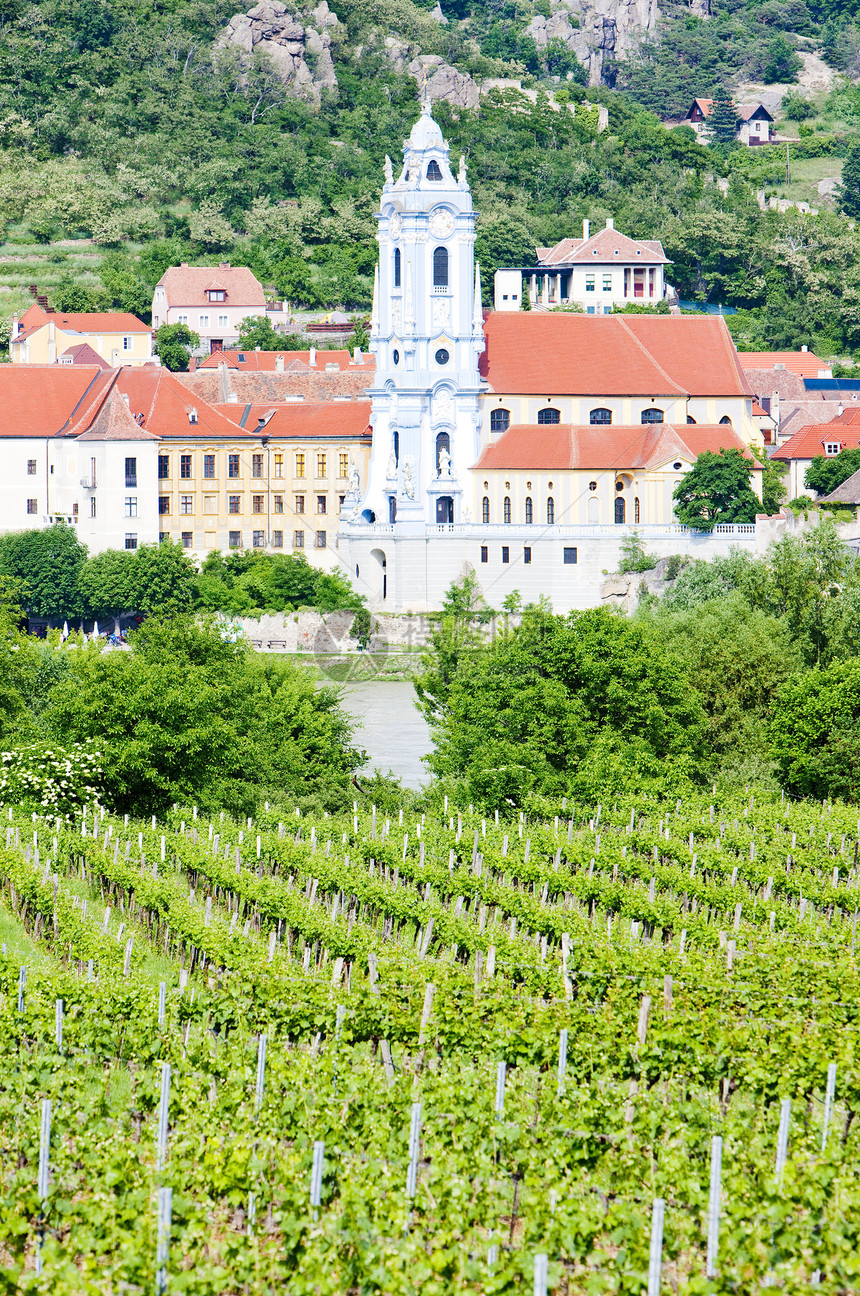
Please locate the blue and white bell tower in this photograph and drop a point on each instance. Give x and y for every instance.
(427, 334)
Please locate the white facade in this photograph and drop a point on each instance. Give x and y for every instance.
(107, 490)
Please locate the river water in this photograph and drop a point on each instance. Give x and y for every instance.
(390, 728)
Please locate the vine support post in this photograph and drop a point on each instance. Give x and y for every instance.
(714, 1206)
(165, 1211)
(655, 1258)
(829, 1095)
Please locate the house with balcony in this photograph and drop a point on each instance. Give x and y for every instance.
(597, 272)
(211, 300)
(45, 336)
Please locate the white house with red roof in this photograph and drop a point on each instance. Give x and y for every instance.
(755, 123)
(596, 272)
(814, 440)
(212, 300)
(58, 337)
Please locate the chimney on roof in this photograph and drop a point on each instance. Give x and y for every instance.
(183, 265)
(232, 399)
(610, 222)
(192, 364)
(585, 229)
(223, 265)
(279, 364)
(840, 409)
(774, 408)
(804, 347)
(261, 422)
(258, 348)
(312, 357)
(357, 357)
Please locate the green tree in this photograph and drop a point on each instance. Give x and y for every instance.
(825, 473)
(48, 564)
(174, 344)
(537, 706)
(723, 121)
(781, 61)
(815, 732)
(848, 195)
(106, 583)
(773, 489)
(256, 331)
(456, 632)
(716, 490)
(189, 716)
(633, 555)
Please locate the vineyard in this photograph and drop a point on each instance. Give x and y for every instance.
(610, 1051)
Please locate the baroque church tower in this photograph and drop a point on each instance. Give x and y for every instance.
(427, 334)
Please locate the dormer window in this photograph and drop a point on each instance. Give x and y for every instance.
(216, 294)
(434, 171)
(832, 447)
(192, 416)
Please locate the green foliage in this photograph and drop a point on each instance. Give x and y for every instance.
(188, 715)
(849, 189)
(773, 488)
(47, 566)
(825, 473)
(633, 555)
(256, 331)
(240, 582)
(815, 732)
(526, 709)
(723, 121)
(781, 62)
(796, 106)
(174, 344)
(716, 490)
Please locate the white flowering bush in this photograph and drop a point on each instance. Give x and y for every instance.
(55, 781)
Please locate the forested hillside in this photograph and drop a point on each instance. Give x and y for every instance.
(132, 136)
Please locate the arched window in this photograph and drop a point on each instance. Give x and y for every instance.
(397, 267)
(396, 446)
(600, 415)
(726, 419)
(620, 508)
(500, 420)
(506, 509)
(485, 509)
(550, 511)
(440, 267)
(652, 415)
(443, 442)
(594, 509)
(444, 510)
(529, 510)
(549, 415)
(433, 171)
(636, 509)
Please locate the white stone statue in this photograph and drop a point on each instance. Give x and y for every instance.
(444, 463)
(408, 482)
(391, 470)
(354, 478)
(461, 174)
(389, 170)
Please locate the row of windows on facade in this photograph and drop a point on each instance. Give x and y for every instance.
(440, 267)
(234, 504)
(203, 320)
(500, 419)
(620, 507)
(569, 554)
(130, 471)
(258, 464)
(234, 539)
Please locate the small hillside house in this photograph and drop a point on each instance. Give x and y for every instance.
(754, 122)
(56, 337)
(212, 300)
(595, 272)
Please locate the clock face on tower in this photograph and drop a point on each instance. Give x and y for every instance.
(441, 222)
(395, 224)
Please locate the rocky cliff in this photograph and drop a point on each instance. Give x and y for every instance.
(599, 32)
(298, 46)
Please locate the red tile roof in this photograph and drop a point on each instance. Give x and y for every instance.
(554, 448)
(294, 361)
(803, 363)
(186, 285)
(166, 406)
(546, 353)
(337, 420)
(810, 440)
(49, 400)
(82, 353)
(92, 322)
(606, 247)
(115, 422)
